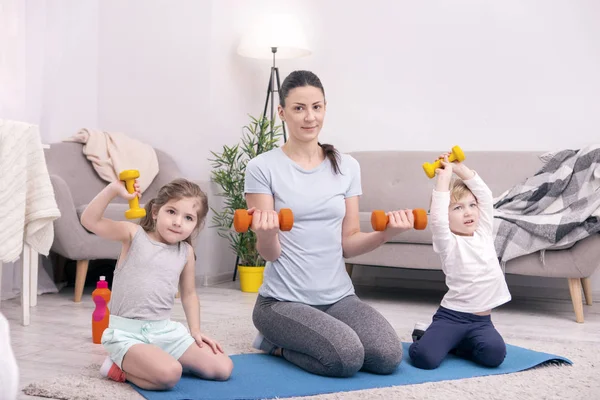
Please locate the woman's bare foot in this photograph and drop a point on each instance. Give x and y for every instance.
(261, 343)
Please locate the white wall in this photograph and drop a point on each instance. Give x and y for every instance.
(62, 66)
(154, 74)
(518, 75)
(485, 74)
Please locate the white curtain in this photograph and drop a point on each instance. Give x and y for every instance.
(12, 59)
(14, 90)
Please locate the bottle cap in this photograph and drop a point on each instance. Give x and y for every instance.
(102, 284)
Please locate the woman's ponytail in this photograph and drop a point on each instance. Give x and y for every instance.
(333, 155)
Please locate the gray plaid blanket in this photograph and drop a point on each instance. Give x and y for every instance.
(555, 208)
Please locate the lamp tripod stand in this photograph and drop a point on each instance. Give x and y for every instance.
(273, 79)
(271, 89)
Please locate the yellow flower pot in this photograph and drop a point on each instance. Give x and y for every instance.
(250, 278)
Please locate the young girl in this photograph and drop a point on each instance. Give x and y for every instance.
(462, 226)
(145, 347)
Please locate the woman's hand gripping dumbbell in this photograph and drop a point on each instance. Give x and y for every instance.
(135, 211)
(456, 155)
(380, 220)
(242, 219)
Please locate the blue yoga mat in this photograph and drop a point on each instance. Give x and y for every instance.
(258, 376)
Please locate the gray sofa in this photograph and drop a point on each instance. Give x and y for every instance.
(75, 184)
(395, 179)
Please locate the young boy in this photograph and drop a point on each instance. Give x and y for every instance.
(462, 224)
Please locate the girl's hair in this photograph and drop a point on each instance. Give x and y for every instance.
(176, 190)
(458, 190)
(307, 78)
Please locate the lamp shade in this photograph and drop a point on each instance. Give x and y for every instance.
(283, 31)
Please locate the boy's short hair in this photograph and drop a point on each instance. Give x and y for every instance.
(458, 190)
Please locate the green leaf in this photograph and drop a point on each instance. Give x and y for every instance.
(229, 168)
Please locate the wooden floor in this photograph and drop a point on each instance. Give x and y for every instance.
(59, 338)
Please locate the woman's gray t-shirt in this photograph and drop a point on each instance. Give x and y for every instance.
(310, 269)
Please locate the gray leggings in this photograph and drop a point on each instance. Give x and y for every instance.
(333, 340)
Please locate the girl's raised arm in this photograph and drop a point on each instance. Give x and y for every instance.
(93, 216)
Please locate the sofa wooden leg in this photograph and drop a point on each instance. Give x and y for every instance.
(575, 289)
(587, 290)
(80, 275)
(349, 268)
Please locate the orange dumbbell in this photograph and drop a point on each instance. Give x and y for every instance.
(457, 155)
(242, 220)
(379, 219)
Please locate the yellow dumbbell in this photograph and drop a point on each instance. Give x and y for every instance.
(135, 211)
(457, 155)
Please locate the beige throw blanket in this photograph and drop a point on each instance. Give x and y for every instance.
(27, 204)
(111, 153)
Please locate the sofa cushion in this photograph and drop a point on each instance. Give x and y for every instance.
(411, 236)
(114, 211)
(392, 180)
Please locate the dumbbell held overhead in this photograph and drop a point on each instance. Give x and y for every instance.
(379, 219)
(242, 220)
(456, 155)
(135, 211)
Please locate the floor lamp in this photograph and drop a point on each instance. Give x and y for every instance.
(273, 87)
(275, 35)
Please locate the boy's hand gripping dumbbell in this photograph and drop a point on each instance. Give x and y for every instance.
(457, 155)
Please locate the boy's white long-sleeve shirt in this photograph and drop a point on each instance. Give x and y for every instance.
(473, 275)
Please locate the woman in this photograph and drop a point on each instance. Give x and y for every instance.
(306, 311)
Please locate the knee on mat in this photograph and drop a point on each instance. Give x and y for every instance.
(491, 354)
(384, 360)
(169, 375)
(423, 359)
(349, 361)
(222, 372)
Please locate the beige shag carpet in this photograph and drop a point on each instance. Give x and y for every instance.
(580, 381)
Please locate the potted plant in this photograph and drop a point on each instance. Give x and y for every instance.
(229, 168)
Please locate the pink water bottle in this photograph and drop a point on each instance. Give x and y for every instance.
(100, 316)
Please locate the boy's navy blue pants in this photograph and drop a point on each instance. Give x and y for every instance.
(468, 335)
